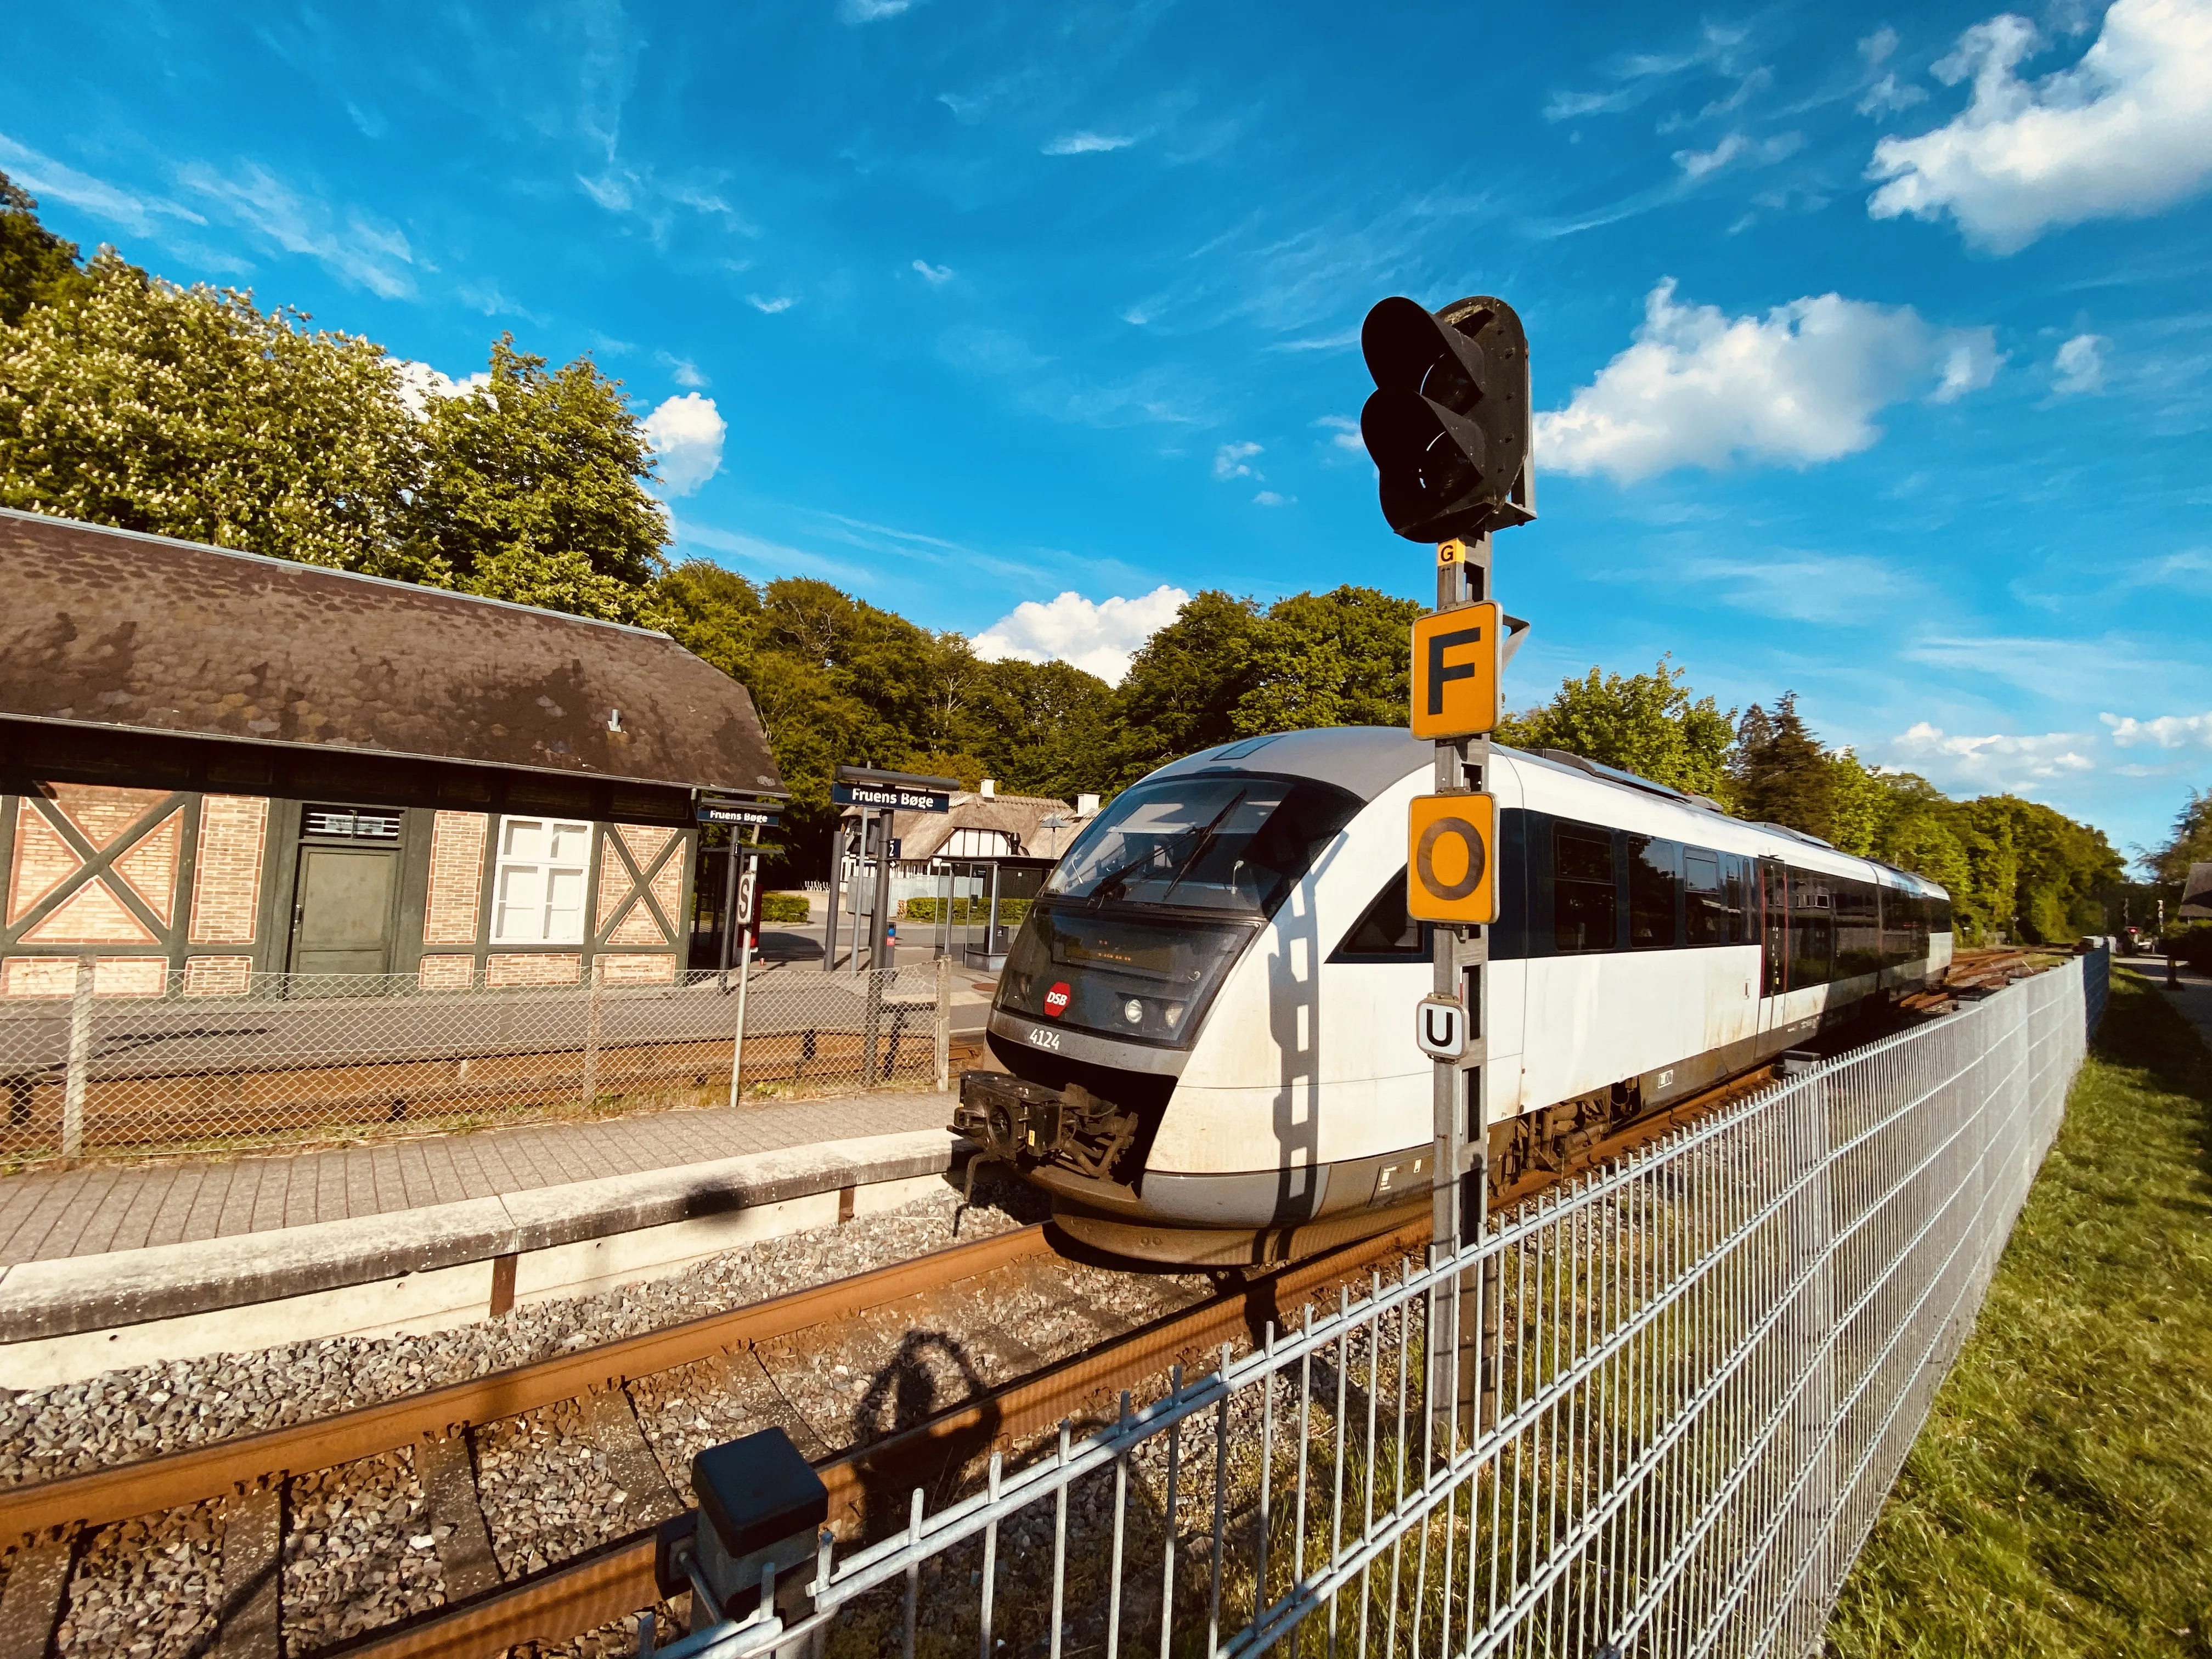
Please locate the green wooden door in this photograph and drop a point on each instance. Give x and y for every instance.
(342, 922)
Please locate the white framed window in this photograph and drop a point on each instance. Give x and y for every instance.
(978, 844)
(537, 890)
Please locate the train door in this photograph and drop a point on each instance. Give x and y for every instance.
(1773, 942)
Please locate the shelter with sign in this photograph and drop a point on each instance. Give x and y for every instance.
(214, 764)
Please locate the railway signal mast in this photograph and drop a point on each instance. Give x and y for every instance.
(1448, 428)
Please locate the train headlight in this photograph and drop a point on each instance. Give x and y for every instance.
(1173, 1015)
(1133, 1011)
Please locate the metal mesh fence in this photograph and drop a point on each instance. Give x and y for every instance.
(279, 1059)
(1694, 1376)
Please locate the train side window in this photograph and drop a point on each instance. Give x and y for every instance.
(1812, 928)
(1581, 887)
(1742, 898)
(1939, 917)
(1858, 927)
(1655, 881)
(1384, 930)
(1705, 900)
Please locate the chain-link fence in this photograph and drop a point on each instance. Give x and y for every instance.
(1694, 1376)
(159, 1064)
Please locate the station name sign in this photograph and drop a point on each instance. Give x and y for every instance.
(739, 812)
(889, 796)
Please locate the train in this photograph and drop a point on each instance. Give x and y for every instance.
(1207, 1018)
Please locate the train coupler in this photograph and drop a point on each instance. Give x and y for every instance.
(1022, 1123)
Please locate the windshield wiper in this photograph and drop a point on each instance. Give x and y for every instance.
(1111, 885)
(1206, 839)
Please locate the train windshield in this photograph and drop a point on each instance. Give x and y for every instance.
(1232, 842)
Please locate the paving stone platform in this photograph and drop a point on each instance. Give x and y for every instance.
(50, 1215)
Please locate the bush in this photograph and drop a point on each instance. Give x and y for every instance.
(2193, 944)
(783, 906)
(1012, 911)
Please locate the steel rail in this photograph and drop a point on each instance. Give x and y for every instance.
(101, 1496)
(617, 1578)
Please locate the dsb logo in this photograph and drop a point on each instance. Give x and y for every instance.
(1055, 1000)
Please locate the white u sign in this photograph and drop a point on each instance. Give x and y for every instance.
(1440, 1027)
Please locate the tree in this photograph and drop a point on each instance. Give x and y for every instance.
(189, 412)
(533, 490)
(1044, 728)
(36, 266)
(1647, 724)
(1334, 659)
(2191, 843)
(1782, 775)
(1185, 685)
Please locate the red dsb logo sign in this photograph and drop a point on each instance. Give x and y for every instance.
(1055, 1000)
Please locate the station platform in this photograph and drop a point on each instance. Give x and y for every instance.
(109, 1265)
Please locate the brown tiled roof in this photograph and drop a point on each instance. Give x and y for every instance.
(105, 628)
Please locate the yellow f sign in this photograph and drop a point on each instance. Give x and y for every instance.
(1455, 671)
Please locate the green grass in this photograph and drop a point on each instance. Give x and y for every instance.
(2059, 1500)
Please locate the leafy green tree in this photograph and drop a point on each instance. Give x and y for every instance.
(1044, 728)
(1648, 724)
(36, 266)
(533, 490)
(189, 412)
(2191, 843)
(1335, 659)
(1185, 685)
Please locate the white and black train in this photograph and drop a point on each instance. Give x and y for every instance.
(1208, 1013)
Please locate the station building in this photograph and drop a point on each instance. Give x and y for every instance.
(214, 764)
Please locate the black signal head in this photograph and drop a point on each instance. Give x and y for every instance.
(1447, 426)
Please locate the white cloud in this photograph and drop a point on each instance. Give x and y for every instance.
(1088, 143)
(769, 307)
(1999, 761)
(1269, 498)
(50, 180)
(2081, 365)
(1696, 163)
(1800, 585)
(1889, 95)
(1234, 461)
(870, 11)
(1800, 386)
(686, 432)
(1877, 46)
(935, 275)
(1099, 639)
(681, 370)
(1344, 433)
(2166, 731)
(419, 383)
(2125, 131)
(372, 256)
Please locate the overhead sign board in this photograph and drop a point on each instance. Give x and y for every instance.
(889, 796)
(1451, 867)
(1455, 671)
(1440, 1027)
(738, 812)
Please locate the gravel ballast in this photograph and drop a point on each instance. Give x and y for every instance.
(145, 1410)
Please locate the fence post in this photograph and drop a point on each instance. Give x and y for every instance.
(944, 1024)
(599, 984)
(80, 1060)
(872, 1020)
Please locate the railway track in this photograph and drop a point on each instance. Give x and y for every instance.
(632, 1410)
(437, 1470)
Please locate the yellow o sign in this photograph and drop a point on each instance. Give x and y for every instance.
(1473, 859)
(1451, 872)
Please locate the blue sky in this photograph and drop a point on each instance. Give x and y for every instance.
(1875, 350)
